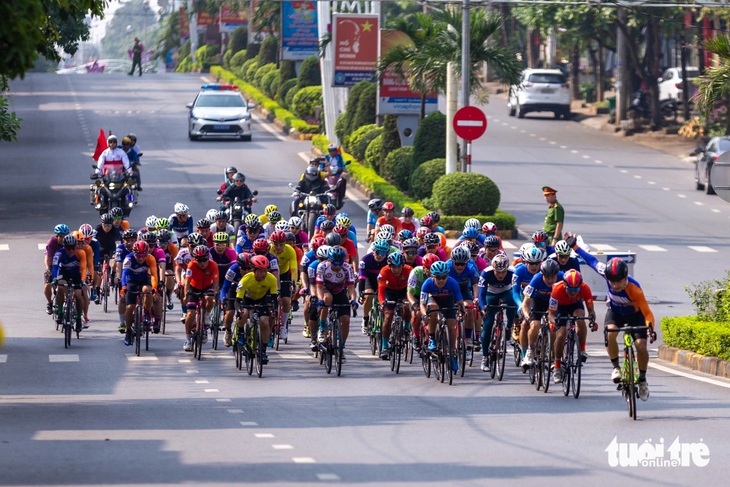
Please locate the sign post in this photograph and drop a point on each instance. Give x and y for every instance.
(470, 123)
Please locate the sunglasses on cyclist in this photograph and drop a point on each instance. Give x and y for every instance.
(279, 244)
(459, 265)
(572, 289)
(382, 254)
(411, 252)
(540, 244)
(431, 247)
(439, 278)
(141, 255)
(202, 259)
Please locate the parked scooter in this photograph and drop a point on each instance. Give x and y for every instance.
(640, 107)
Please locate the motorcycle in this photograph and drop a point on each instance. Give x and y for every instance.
(640, 108)
(111, 190)
(308, 207)
(237, 210)
(335, 181)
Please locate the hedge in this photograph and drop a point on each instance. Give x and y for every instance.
(460, 193)
(251, 93)
(704, 337)
(306, 101)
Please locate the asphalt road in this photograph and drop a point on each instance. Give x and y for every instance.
(96, 415)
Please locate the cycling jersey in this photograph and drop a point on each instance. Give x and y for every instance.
(108, 240)
(559, 296)
(68, 265)
(479, 239)
(372, 218)
(302, 239)
(440, 253)
(412, 225)
(335, 281)
(369, 269)
(480, 263)
(269, 229)
(136, 272)
(350, 248)
(224, 260)
(389, 281)
(230, 280)
(307, 259)
(179, 228)
(520, 279)
(312, 274)
(228, 229)
(121, 253)
(538, 290)
(319, 220)
(171, 252)
(95, 252)
(490, 285)
(201, 279)
(441, 295)
(415, 281)
(287, 258)
(183, 257)
(52, 246)
(467, 277)
(249, 287)
(395, 222)
(571, 264)
(245, 244)
(89, 259)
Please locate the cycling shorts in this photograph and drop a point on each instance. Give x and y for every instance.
(285, 285)
(393, 295)
(635, 319)
(564, 311)
(264, 309)
(194, 295)
(131, 294)
(539, 307)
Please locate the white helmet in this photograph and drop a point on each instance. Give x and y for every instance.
(181, 208)
(151, 221)
(211, 214)
(295, 221)
(282, 225)
(524, 248)
(388, 230)
(472, 223)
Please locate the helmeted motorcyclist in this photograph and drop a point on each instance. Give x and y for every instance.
(113, 158)
(337, 168)
(239, 190)
(311, 182)
(128, 148)
(230, 172)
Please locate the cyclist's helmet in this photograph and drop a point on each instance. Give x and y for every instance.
(524, 248)
(311, 173)
(239, 177)
(164, 235)
(290, 237)
(540, 237)
(201, 252)
(388, 230)
(375, 204)
(221, 215)
(500, 263)
(489, 227)
(337, 255)
(549, 268)
(341, 231)
(203, 223)
(616, 270)
(439, 269)
(388, 206)
(316, 243)
(282, 225)
(422, 232)
(260, 245)
(470, 232)
(275, 217)
(61, 229)
(472, 223)
(181, 209)
(79, 236)
(163, 223)
(329, 210)
(435, 217)
(195, 239)
(404, 235)
(534, 255)
(572, 279)
(562, 248)
(410, 243)
(117, 212)
(244, 261)
(396, 259)
(151, 221)
(221, 237)
(295, 222)
(332, 147)
(380, 246)
(69, 241)
(259, 262)
(107, 219)
(333, 239)
(384, 236)
(141, 247)
(427, 221)
(471, 247)
(429, 260)
(491, 241)
(149, 237)
(270, 208)
(407, 211)
(130, 235)
(431, 239)
(254, 225)
(460, 255)
(343, 220)
(210, 215)
(327, 225)
(86, 230)
(323, 251)
(278, 237)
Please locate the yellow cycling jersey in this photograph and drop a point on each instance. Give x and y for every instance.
(287, 258)
(250, 288)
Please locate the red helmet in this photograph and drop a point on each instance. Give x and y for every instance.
(540, 236)
(422, 232)
(140, 247)
(201, 252)
(572, 278)
(259, 262)
(316, 243)
(329, 210)
(426, 221)
(341, 231)
(260, 245)
(489, 227)
(277, 237)
(244, 261)
(388, 206)
(429, 259)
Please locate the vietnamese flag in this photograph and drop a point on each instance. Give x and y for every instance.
(100, 145)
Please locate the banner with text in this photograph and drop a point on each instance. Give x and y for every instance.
(355, 41)
(299, 33)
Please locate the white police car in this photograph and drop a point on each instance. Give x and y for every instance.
(219, 111)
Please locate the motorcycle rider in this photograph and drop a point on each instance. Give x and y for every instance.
(337, 168)
(113, 158)
(127, 147)
(239, 190)
(311, 182)
(230, 172)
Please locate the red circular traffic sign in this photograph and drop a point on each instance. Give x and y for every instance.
(470, 123)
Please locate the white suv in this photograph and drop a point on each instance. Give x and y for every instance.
(540, 90)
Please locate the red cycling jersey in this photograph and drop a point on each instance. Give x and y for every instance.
(559, 296)
(388, 280)
(202, 279)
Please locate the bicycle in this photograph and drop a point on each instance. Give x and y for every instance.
(399, 336)
(375, 321)
(516, 348)
(331, 349)
(70, 319)
(572, 363)
(199, 330)
(216, 318)
(629, 385)
(497, 352)
(441, 358)
(106, 285)
(461, 341)
(140, 325)
(247, 343)
(280, 323)
(534, 368)
(544, 355)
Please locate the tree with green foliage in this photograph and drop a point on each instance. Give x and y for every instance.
(287, 71)
(366, 107)
(353, 98)
(137, 14)
(284, 89)
(714, 87)
(430, 140)
(238, 39)
(463, 193)
(266, 17)
(309, 74)
(269, 52)
(306, 101)
(396, 167)
(372, 153)
(391, 139)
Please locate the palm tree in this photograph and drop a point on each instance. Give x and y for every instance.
(714, 86)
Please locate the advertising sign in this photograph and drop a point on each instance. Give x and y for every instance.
(355, 41)
(231, 19)
(299, 33)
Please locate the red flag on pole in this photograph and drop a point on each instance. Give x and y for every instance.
(100, 145)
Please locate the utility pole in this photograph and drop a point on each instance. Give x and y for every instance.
(621, 75)
(465, 68)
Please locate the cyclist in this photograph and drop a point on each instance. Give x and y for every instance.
(181, 223)
(369, 268)
(408, 221)
(491, 247)
(343, 219)
(536, 301)
(307, 283)
(478, 261)
(495, 286)
(476, 236)
(523, 274)
(250, 233)
(264, 218)
(88, 275)
(567, 298)
(171, 250)
(119, 222)
(410, 252)
(53, 245)
(335, 285)
(221, 225)
(540, 239)
(329, 212)
(463, 270)
(416, 279)
(122, 251)
(440, 292)
(563, 257)
(375, 207)
(389, 218)
(201, 281)
(287, 258)
(349, 246)
(139, 274)
(183, 259)
(258, 288)
(270, 226)
(627, 306)
(68, 267)
(295, 223)
(261, 247)
(229, 289)
(392, 288)
(431, 245)
(202, 227)
(89, 239)
(490, 229)
(310, 308)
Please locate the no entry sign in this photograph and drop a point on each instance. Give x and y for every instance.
(470, 123)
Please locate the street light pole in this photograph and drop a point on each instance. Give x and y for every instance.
(465, 69)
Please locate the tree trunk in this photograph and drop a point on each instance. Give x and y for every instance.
(594, 64)
(575, 72)
(601, 74)
(653, 68)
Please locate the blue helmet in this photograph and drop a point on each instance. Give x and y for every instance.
(404, 235)
(61, 229)
(439, 269)
(381, 246)
(470, 232)
(337, 255)
(396, 259)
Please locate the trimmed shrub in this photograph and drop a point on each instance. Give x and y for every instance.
(184, 49)
(260, 73)
(283, 90)
(270, 83)
(340, 129)
(360, 140)
(238, 39)
(206, 56)
(372, 153)
(185, 65)
(227, 58)
(306, 101)
(430, 141)
(289, 98)
(251, 70)
(309, 74)
(286, 68)
(353, 98)
(252, 50)
(269, 51)
(425, 176)
(461, 193)
(691, 333)
(366, 106)
(504, 221)
(391, 141)
(237, 60)
(396, 167)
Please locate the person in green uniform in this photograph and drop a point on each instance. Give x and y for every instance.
(555, 217)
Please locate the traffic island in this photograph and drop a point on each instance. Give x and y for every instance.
(695, 361)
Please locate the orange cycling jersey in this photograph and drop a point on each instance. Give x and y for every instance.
(559, 296)
(395, 222)
(89, 260)
(202, 279)
(388, 280)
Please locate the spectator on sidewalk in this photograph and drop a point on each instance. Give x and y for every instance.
(555, 216)
(137, 51)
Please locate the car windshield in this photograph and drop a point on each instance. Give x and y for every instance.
(723, 145)
(552, 78)
(226, 101)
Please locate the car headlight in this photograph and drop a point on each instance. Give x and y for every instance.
(112, 185)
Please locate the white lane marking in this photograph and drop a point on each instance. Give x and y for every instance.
(699, 203)
(361, 246)
(41, 246)
(598, 162)
(505, 124)
(533, 135)
(715, 210)
(264, 124)
(563, 146)
(191, 371)
(3, 359)
(294, 356)
(282, 447)
(624, 171)
(586, 157)
(543, 139)
(63, 358)
(4, 247)
(682, 195)
(328, 476)
(701, 248)
(365, 355)
(211, 390)
(508, 245)
(223, 400)
(651, 182)
(636, 176)
(248, 423)
(513, 127)
(303, 460)
(665, 189)
(263, 435)
(552, 142)
(202, 381)
(689, 376)
(235, 411)
(142, 358)
(603, 247)
(573, 151)
(523, 131)
(184, 361)
(653, 248)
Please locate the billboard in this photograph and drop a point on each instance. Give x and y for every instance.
(299, 32)
(355, 41)
(231, 19)
(394, 95)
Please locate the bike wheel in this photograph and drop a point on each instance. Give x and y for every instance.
(567, 364)
(546, 361)
(575, 374)
(137, 328)
(449, 357)
(329, 351)
(337, 346)
(631, 386)
(236, 349)
(163, 318)
(537, 362)
(426, 363)
(517, 353)
(259, 349)
(493, 350)
(215, 328)
(502, 355)
(105, 292)
(461, 354)
(67, 330)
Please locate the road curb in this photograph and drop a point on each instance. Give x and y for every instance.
(695, 361)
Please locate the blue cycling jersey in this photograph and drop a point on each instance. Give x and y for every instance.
(232, 277)
(467, 277)
(538, 289)
(520, 279)
(65, 265)
(489, 285)
(449, 291)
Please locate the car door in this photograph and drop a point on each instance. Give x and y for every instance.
(666, 84)
(707, 157)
